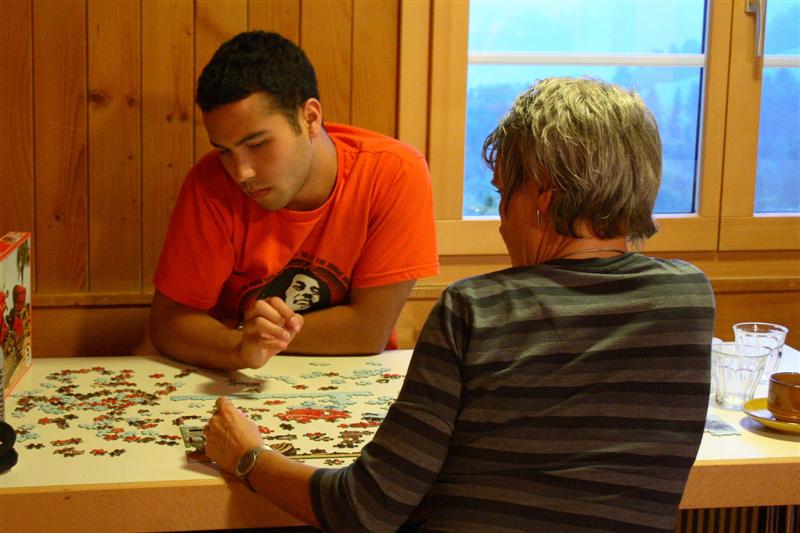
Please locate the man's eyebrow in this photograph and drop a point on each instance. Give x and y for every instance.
(241, 141)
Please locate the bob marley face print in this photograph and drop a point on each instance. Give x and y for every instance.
(306, 284)
(303, 292)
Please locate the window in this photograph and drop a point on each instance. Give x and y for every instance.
(693, 62)
(760, 199)
(648, 46)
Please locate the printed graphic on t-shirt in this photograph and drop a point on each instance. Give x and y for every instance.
(306, 284)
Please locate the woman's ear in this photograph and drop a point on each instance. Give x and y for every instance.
(543, 199)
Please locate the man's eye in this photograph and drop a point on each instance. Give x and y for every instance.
(258, 144)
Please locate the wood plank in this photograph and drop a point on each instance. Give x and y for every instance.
(739, 484)
(84, 331)
(16, 108)
(61, 183)
(767, 232)
(167, 130)
(114, 145)
(412, 100)
(217, 504)
(326, 36)
(744, 98)
(671, 235)
(216, 21)
(375, 53)
(279, 16)
(448, 104)
(715, 96)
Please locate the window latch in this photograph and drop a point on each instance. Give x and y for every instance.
(759, 9)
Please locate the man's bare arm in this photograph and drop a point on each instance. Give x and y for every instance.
(193, 336)
(363, 326)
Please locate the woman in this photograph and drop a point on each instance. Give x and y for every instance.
(567, 393)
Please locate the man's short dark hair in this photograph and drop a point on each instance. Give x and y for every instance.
(256, 61)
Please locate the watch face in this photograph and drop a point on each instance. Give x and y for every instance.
(246, 463)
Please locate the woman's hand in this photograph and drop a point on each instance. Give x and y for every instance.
(229, 434)
(269, 326)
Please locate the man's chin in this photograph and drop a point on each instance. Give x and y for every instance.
(270, 204)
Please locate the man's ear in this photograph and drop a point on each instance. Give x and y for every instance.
(311, 116)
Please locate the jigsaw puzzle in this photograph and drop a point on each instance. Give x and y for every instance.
(306, 407)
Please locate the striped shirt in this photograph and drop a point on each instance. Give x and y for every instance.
(567, 396)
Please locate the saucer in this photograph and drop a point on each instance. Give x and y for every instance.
(757, 410)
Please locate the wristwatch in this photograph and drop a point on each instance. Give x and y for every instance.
(246, 464)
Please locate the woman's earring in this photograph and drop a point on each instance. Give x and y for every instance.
(539, 220)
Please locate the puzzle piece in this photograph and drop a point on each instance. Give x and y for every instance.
(718, 427)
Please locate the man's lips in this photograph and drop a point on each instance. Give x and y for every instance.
(259, 193)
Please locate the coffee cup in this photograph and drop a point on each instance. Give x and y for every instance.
(783, 396)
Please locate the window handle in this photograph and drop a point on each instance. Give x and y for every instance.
(759, 8)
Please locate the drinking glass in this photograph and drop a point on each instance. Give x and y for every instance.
(736, 369)
(763, 334)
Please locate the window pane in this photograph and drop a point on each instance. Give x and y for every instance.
(778, 167)
(598, 26)
(783, 27)
(671, 93)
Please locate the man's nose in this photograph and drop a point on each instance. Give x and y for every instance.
(243, 169)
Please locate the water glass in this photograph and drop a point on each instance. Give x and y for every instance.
(736, 369)
(714, 340)
(763, 334)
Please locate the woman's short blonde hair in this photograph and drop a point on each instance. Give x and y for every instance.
(595, 144)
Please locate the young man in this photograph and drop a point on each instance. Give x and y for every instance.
(284, 195)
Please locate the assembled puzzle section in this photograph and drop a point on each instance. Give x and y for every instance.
(133, 411)
(15, 308)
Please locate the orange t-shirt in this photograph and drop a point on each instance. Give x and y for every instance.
(223, 251)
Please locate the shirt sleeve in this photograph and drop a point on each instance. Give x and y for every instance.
(198, 253)
(401, 240)
(395, 470)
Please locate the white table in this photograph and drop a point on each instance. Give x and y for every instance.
(758, 467)
(152, 487)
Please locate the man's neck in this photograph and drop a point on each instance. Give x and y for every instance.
(322, 174)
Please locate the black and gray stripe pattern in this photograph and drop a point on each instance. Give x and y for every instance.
(569, 396)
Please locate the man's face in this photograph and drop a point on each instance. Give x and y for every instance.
(302, 293)
(262, 152)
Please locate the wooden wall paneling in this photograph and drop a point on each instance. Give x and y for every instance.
(375, 53)
(779, 307)
(115, 192)
(86, 331)
(215, 21)
(16, 110)
(326, 37)
(279, 16)
(61, 187)
(414, 66)
(167, 104)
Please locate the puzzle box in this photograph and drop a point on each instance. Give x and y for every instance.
(15, 307)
